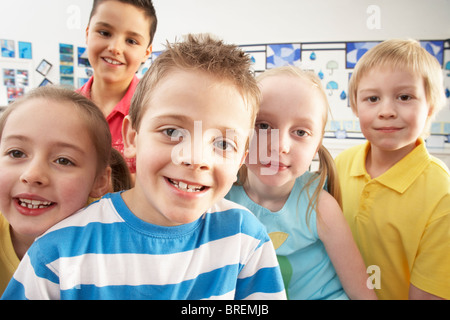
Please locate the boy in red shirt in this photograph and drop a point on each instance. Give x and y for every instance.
(119, 39)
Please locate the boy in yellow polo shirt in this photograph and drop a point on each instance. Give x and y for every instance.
(396, 196)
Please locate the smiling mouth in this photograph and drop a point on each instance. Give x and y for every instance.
(388, 129)
(186, 187)
(34, 204)
(114, 62)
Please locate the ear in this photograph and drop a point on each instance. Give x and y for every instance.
(87, 34)
(148, 52)
(129, 135)
(244, 158)
(102, 184)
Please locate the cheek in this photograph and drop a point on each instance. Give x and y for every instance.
(150, 159)
(73, 193)
(365, 121)
(7, 179)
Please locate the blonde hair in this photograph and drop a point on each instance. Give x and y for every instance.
(327, 173)
(403, 55)
(204, 53)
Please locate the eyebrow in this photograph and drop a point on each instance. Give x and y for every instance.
(109, 26)
(58, 144)
(186, 119)
(398, 87)
(268, 115)
(174, 117)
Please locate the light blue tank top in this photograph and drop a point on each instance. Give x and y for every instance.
(306, 268)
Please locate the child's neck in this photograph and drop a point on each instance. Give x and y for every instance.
(107, 95)
(21, 243)
(379, 161)
(269, 197)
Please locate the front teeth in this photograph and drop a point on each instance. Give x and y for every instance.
(112, 61)
(186, 187)
(34, 204)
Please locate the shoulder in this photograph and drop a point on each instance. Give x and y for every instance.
(330, 221)
(230, 214)
(440, 167)
(350, 153)
(328, 206)
(71, 236)
(99, 211)
(231, 211)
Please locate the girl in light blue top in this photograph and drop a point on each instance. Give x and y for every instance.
(315, 248)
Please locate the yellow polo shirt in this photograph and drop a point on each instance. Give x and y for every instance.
(8, 258)
(400, 220)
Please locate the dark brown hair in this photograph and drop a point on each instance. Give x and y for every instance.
(145, 5)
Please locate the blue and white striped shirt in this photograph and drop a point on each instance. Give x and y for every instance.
(106, 252)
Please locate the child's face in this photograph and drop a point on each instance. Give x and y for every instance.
(48, 165)
(189, 147)
(289, 128)
(117, 41)
(392, 108)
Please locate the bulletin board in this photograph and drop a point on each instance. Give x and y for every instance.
(333, 62)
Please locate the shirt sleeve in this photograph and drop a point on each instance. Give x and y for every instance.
(260, 277)
(33, 280)
(431, 268)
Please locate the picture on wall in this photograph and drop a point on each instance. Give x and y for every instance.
(44, 67)
(279, 55)
(355, 50)
(9, 77)
(435, 48)
(8, 48)
(13, 93)
(45, 82)
(83, 60)
(66, 67)
(22, 79)
(25, 51)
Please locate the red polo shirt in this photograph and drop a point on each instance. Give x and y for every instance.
(115, 118)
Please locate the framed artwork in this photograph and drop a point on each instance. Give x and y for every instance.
(45, 82)
(435, 48)
(44, 67)
(279, 55)
(25, 51)
(8, 48)
(355, 50)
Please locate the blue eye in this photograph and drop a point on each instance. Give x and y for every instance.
(301, 133)
(223, 145)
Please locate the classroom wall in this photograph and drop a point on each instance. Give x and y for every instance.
(55, 30)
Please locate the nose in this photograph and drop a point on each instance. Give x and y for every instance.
(35, 174)
(114, 46)
(284, 141)
(387, 110)
(197, 166)
(192, 156)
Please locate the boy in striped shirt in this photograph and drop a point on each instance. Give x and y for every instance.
(172, 236)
